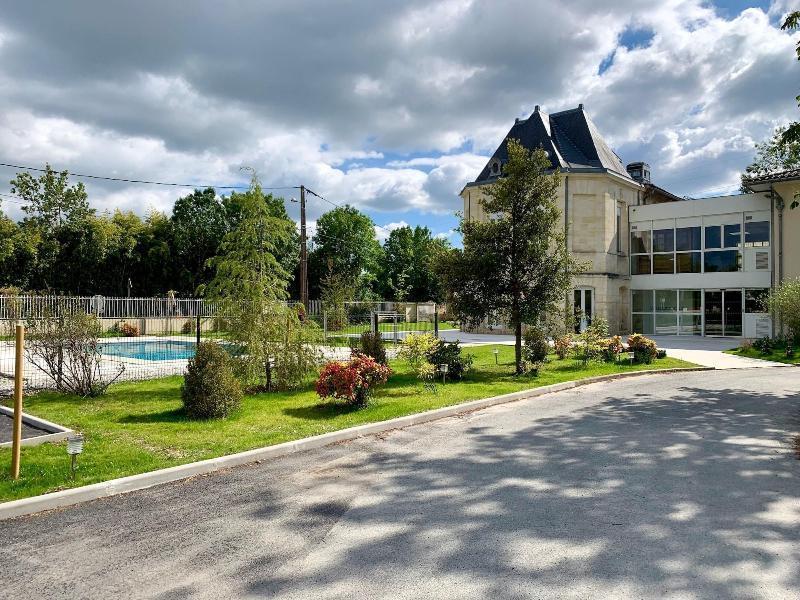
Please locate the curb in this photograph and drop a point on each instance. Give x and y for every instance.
(64, 498)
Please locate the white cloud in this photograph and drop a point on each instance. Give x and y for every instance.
(437, 81)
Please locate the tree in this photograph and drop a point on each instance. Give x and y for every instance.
(250, 284)
(56, 218)
(287, 249)
(345, 245)
(772, 156)
(199, 222)
(792, 132)
(516, 263)
(408, 265)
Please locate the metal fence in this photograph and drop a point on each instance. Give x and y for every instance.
(146, 338)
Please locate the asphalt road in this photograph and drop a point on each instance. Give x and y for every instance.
(671, 486)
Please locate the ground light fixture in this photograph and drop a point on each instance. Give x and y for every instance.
(631, 356)
(496, 352)
(74, 447)
(443, 368)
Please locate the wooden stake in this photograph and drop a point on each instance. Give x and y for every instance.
(16, 440)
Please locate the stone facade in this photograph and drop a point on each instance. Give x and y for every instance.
(594, 237)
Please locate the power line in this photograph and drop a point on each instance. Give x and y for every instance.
(142, 181)
(389, 231)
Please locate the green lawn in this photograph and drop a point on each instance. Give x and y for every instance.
(776, 355)
(140, 426)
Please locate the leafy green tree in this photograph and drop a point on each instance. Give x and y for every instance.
(772, 156)
(199, 222)
(153, 266)
(345, 245)
(792, 132)
(408, 265)
(515, 263)
(56, 219)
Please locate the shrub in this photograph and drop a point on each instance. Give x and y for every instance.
(210, 390)
(371, 344)
(449, 353)
(562, 346)
(415, 349)
(66, 347)
(784, 304)
(352, 381)
(128, 330)
(661, 353)
(612, 347)
(188, 326)
(644, 349)
(591, 342)
(746, 345)
(764, 345)
(535, 347)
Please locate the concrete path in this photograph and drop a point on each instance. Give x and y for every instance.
(667, 486)
(708, 352)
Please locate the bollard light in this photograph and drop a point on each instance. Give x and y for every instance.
(631, 356)
(443, 368)
(496, 352)
(74, 447)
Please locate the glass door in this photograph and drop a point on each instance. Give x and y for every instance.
(583, 309)
(713, 313)
(733, 312)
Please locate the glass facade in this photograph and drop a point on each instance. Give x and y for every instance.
(694, 312)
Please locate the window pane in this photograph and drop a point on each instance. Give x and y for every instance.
(642, 301)
(663, 240)
(756, 233)
(666, 324)
(722, 262)
(713, 239)
(755, 301)
(642, 324)
(666, 300)
(688, 262)
(640, 264)
(690, 324)
(687, 238)
(663, 263)
(732, 235)
(640, 242)
(588, 302)
(690, 300)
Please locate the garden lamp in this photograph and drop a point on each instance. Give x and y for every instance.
(496, 352)
(443, 368)
(74, 447)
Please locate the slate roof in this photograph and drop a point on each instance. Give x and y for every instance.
(571, 139)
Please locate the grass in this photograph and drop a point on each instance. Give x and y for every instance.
(775, 355)
(140, 426)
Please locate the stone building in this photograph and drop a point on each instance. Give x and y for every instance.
(595, 193)
(659, 264)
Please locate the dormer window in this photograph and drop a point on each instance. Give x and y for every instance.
(495, 168)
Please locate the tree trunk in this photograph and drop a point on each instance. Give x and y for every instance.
(518, 345)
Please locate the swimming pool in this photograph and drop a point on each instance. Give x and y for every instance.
(156, 350)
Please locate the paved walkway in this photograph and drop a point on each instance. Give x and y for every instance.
(667, 486)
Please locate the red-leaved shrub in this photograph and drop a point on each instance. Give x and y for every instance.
(352, 381)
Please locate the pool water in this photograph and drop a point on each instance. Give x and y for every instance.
(150, 349)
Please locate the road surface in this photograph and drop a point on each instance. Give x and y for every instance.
(669, 486)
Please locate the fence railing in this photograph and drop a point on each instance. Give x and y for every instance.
(145, 338)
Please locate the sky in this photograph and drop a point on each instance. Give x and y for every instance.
(389, 106)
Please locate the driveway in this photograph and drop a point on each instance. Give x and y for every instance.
(666, 486)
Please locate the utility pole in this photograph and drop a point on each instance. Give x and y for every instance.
(303, 250)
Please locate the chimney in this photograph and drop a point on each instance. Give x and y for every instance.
(639, 171)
